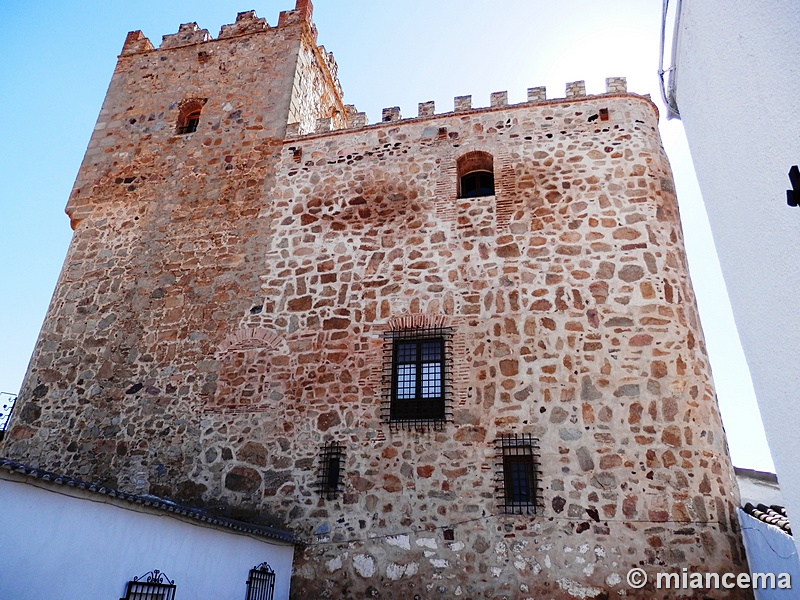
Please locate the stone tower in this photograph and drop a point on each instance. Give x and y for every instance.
(458, 354)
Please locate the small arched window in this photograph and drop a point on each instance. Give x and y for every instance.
(189, 115)
(475, 175)
(192, 120)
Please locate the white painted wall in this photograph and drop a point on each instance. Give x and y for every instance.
(737, 85)
(60, 547)
(770, 550)
(758, 492)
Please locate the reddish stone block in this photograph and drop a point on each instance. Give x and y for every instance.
(671, 436)
(658, 516)
(629, 506)
(610, 461)
(392, 484)
(425, 471)
(658, 369)
(631, 273)
(299, 304)
(243, 479)
(641, 340)
(327, 420)
(335, 323)
(509, 367)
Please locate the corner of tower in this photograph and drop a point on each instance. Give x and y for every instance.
(136, 41)
(303, 12)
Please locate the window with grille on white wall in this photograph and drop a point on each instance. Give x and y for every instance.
(261, 583)
(153, 585)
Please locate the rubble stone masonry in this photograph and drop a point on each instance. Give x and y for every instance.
(229, 297)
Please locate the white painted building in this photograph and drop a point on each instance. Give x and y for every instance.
(758, 487)
(63, 539)
(734, 81)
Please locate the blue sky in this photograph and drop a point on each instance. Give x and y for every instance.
(57, 60)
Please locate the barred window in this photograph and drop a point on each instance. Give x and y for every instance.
(329, 473)
(517, 477)
(417, 380)
(153, 585)
(261, 583)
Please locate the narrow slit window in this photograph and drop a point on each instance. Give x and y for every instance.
(519, 479)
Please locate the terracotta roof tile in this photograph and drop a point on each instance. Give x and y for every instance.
(774, 515)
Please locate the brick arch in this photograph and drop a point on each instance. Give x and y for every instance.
(189, 105)
(417, 321)
(250, 338)
(474, 160)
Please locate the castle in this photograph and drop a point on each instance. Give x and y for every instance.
(458, 355)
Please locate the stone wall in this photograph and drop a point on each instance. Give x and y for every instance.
(224, 307)
(574, 322)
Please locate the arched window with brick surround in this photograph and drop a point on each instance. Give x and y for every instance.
(475, 174)
(189, 115)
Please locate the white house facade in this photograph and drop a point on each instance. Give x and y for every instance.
(64, 539)
(735, 84)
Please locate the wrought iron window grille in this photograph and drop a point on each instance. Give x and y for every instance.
(417, 378)
(793, 195)
(153, 585)
(330, 480)
(261, 583)
(7, 401)
(517, 474)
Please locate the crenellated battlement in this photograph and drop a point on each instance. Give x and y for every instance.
(463, 104)
(317, 67)
(247, 23)
(188, 33)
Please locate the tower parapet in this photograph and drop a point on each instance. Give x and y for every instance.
(136, 42)
(575, 91)
(246, 22)
(188, 33)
